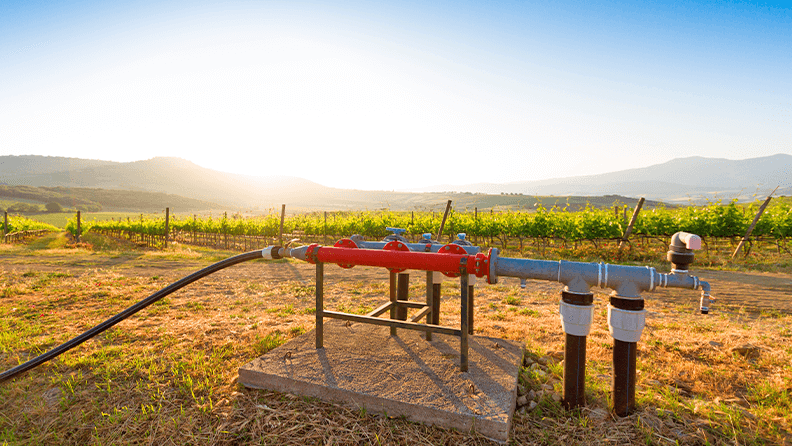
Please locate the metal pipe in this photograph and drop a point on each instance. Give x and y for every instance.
(577, 315)
(626, 319)
(626, 316)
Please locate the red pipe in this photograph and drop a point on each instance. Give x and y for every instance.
(446, 263)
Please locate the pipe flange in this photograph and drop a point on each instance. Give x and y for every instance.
(312, 253)
(492, 277)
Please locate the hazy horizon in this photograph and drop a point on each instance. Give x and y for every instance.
(397, 96)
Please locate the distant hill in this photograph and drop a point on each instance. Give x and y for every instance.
(86, 179)
(679, 180)
(112, 181)
(94, 199)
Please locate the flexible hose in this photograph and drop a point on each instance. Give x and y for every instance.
(66, 346)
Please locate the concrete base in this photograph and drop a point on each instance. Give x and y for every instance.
(361, 365)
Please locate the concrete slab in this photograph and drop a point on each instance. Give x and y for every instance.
(361, 365)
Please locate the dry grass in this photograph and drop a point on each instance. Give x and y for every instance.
(168, 374)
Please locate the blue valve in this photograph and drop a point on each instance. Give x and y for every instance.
(461, 236)
(427, 236)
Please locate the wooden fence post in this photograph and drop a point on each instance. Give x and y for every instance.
(325, 228)
(79, 228)
(475, 219)
(629, 229)
(5, 226)
(283, 215)
(167, 225)
(753, 224)
(442, 223)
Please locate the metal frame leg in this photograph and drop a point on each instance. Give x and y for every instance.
(429, 300)
(463, 337)
(319, 304)
(393, 300)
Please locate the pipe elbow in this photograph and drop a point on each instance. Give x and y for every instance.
(686, 240)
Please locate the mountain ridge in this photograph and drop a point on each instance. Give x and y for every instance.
(679, 180)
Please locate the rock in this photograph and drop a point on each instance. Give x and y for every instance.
(531, 395)
(532, 405)
(521, 390)
(542, 360)
(547, 387)
(528, 361)
(558, 356)
(540, 373)
(533, 366)
(52, 396)
(556, 397)
(715, 344)
(653, 382)
(747, 351)
(522, 401)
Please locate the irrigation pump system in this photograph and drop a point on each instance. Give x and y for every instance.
(626, 314)
(460, 259)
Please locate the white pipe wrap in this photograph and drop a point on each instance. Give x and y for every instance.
(626, 325)
(576, 320)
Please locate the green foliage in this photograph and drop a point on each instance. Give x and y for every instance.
(53, 206)
(23, 207)
(18, 223)
(713, 220)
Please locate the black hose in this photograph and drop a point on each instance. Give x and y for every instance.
(66, 346)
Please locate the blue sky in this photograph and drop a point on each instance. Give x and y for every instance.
(395, 95)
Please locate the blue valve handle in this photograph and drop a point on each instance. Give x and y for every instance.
(461, 236)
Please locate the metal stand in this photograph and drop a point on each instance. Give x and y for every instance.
(398, 305)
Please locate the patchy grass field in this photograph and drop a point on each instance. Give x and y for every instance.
(167, 375)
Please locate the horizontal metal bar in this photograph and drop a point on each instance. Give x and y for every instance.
(381, 309)
(421, 314)
(393, 323)
(411, 304)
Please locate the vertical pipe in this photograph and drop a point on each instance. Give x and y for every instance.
(429, 301)
(577, 316)
(574, 371)
(624, 355)
(393, 300)
(463, 337)
(626, 321)
(403, 293)
(319, 304)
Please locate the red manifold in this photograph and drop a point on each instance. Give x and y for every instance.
(451, 260)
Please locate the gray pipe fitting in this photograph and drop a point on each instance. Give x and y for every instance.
(626, 325)
(576, 320)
